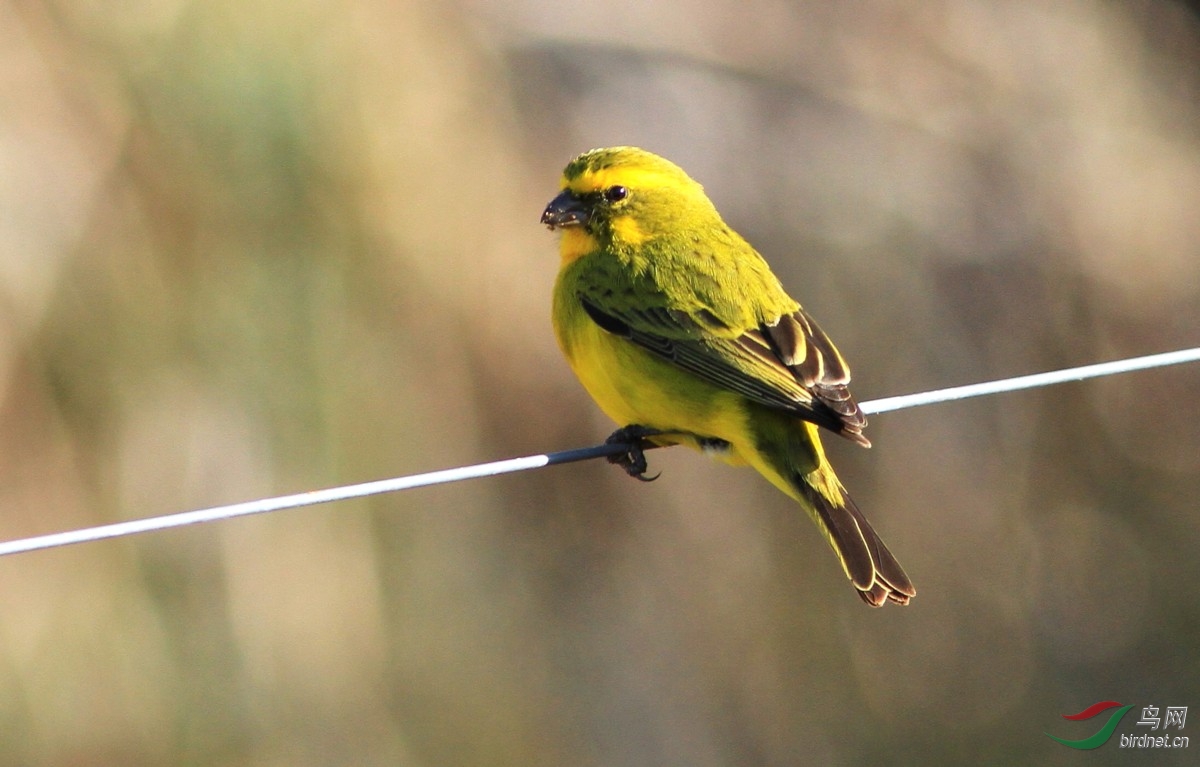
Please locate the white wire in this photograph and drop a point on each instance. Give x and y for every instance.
(888, 404)
(1030, 381)
(119, 529)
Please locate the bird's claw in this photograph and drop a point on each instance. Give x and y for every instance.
(633, 460)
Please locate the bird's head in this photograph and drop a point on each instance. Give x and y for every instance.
(621, 197)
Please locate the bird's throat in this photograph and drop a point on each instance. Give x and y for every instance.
(576, 243)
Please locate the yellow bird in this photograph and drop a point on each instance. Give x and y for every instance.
(679, 330)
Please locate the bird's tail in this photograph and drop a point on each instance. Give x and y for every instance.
(866, 559)
(794, 461)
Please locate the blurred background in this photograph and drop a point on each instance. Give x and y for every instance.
(259, 248)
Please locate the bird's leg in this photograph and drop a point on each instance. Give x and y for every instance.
(633, 460)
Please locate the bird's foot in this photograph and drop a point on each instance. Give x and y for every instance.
(633, 460)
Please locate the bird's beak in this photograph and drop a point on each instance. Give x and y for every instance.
(565, 210)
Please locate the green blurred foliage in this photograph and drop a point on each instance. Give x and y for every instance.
(248, 249)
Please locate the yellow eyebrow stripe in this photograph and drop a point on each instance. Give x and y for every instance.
(634, 178)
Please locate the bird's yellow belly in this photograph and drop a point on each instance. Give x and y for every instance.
(633, 386)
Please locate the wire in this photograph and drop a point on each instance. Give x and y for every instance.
(1031, 381)
(181, 519)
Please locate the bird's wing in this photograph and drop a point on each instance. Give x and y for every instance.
(787, 362)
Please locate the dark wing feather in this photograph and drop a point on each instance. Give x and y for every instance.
(804, 348)
(789, 364)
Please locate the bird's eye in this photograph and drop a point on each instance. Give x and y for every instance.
(616, 193)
